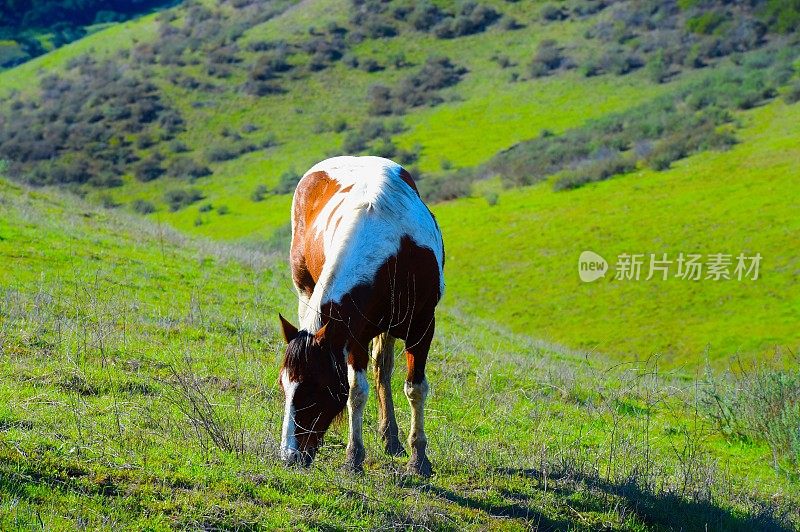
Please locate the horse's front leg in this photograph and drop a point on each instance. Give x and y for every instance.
(356, 400)
(416, 390)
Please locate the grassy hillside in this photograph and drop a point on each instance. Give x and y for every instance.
(243, 97)
(516, 261)
(138, 390)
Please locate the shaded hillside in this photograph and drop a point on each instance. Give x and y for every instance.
(31, 28)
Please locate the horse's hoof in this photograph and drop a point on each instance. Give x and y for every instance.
(420, 465)
(352, 468)
(394, 448)
(354, 463)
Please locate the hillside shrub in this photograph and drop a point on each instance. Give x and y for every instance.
(471, 18)
(509, 23)
(370, 64)
(792, 94)
(757, 403)
(658, 133)
(444, 187)
(421, 88)
(425, 16)
(287, 182)
(179, 198)
(259, 193)
(218, 154)
(381, 100)
(66, 124)
(548, 58)
(141, 206)
(186, 167)
(706, 23)
(552, 13)
(782, 16)
(149, 169)
(596, 170)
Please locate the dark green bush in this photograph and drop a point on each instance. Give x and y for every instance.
(552, 13)
(471, 18)
(180, 198)
(598, 170)
(444, 187)
(149, 169)
(259, 193)
(418, 89)
(425, 16)
(221, 153)
(792, 94)
(187, 168)
(143, 206)
(287, 182)
(548, 58)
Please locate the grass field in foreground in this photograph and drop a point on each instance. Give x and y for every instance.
(137, 384)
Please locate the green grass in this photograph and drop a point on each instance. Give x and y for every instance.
(740, 200)
(103, 315)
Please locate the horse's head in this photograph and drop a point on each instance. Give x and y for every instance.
(314, 381)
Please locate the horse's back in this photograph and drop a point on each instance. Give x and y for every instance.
(354, 214)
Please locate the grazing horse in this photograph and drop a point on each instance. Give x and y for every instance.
(367, 261)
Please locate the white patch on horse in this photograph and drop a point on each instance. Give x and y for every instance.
(288, 438)
(366, 229)
(356, 400)
(416, 395)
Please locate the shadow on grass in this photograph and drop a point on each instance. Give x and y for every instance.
(662, 510)
(505, 510)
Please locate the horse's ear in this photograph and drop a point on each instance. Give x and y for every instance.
(289, 330)
(320, 334)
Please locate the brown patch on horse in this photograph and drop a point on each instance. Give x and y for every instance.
(333, 211)
(405, 176)
(321, 188)
(400, 299)
(307, 255)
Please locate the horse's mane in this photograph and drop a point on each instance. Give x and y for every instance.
(296, 358)
(303, 360)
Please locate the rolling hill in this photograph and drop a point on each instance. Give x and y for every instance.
(243, 97)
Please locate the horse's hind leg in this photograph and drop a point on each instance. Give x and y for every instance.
(383, 360)
(416, 390)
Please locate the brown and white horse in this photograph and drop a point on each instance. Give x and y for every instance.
(367, 261)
